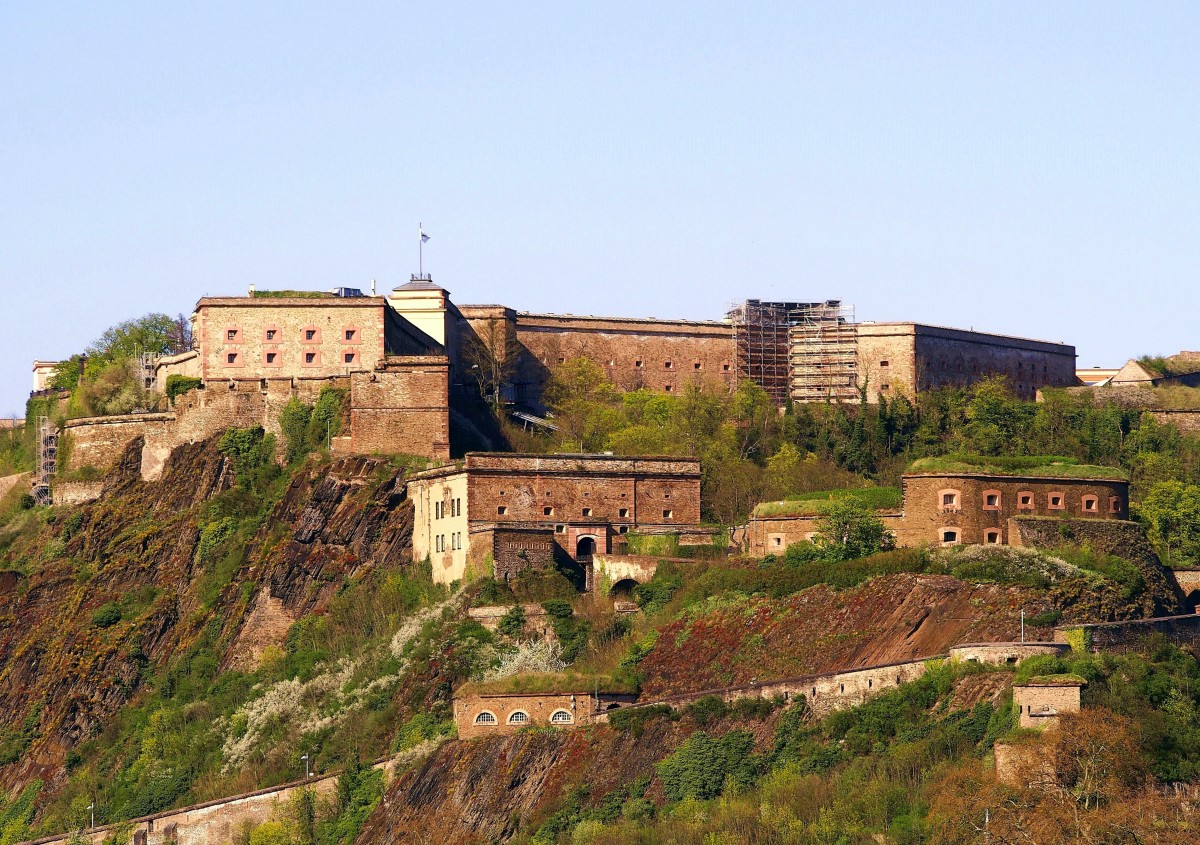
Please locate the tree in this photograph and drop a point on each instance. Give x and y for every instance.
(152, 334)
(1173, 510)
(583, 401)
(492, 351)
(849, 530)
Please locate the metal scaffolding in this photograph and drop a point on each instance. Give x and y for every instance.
(804, 351)
(824, 355)
(47, 460)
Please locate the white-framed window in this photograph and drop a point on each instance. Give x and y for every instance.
(561, 717)
(518, 717)
(485, 718)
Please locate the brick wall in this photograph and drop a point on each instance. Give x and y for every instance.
(921, 357)
(926, 517)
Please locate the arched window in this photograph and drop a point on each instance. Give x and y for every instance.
(561, 717)
(485, 718)
(518, 717)
(949, 536)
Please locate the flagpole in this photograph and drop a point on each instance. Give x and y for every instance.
(420, 250)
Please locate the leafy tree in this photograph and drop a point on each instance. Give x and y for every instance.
(153, 334)
(1173, 510)
(583, 401)
(849, 530)
(492, 352)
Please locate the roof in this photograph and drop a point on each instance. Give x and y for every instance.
(866, 328)
(491, 462)
(1023, 466)
(323, 301)
(1060, 680)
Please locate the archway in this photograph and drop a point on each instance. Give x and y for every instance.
(584, 549)
(623, 589)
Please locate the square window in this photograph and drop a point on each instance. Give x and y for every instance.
(587, 511)
(623, 513)
(502, 510)
(637, 364)
(696, 365)
(310, 357)
(231, 358)
(231, 334)
(666, 514)
(271, 357)
(623, 529)
(271, 334)
(668, 388)
(667, 365)
(560, 529)
(992, 500)
(349, 357)
(725, 367)
(547, 511)
(350, 334)
(310, 334)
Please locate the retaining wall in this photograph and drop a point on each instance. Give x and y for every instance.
(76, 492)
(1130, 635)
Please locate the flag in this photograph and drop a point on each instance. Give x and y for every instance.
(424, 237)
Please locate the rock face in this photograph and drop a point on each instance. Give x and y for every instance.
(63, 675)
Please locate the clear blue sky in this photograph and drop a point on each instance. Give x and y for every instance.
(1026, 168)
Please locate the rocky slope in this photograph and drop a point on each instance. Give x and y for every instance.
(67, 665)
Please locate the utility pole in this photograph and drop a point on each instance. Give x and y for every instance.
(92, 808)
(307, 775)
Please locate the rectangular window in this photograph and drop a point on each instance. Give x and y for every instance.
(883, 363)
(231, 334)
(696, 365)
(547, 511)
(560, 529)
(667, 365)
(502, 510)
(587, 511)
(624, 513)
(349, 356)
(310, 357)
(271, 357)
(310, 334)
(349, 334)
(666, 514)
(231, 358)
(271, 334)
(637, 364)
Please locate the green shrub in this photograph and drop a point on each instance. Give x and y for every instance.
(702, 767)
(177, 385)
(107, 615)
(293, 422)
(512, 623)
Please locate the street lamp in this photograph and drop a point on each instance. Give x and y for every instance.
(92, 808)
(305, 759)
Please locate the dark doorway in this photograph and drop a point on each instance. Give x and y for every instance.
(584, 549)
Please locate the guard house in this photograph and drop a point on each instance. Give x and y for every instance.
(498, 513)
(1045, 698)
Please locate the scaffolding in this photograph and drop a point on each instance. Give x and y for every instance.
(47, 460)
(803, 351)
(824, 355)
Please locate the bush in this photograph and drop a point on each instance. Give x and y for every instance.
(106, 615)
(512, 624)
(702, 766)
(178, 385)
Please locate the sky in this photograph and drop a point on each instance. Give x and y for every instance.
(1021, 168)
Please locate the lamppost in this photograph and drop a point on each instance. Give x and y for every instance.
(305, 759)
(1022, 624)
(92, 809)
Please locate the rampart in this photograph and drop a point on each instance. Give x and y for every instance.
(1133, 635)
(77, 492)
(1005, 654)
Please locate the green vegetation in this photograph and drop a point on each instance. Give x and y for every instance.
(816, 502)
(291, 294)
(1172, 511)
(1023, 465)
(310, 428)
(178, 385)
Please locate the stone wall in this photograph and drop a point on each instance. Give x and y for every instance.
(1019, 764)
(404, 408)
(99, 441)
(910, 358)
(665, 355)
(1133, 635)
(11, 482)
(76, 492)
(771, 535)
(288, 337)
(1004, 654)
(971, 519)
(514, 549)
(502, 712)
(1186, 421)
(1040, 705)
(612, 571)
(537, 621)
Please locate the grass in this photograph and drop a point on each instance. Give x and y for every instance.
(291, 294)
(811, 504)
(549, 682)
(1036, 466)
(1060, 679)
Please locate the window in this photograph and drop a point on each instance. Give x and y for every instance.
(667, 365)
(231, 358)
(587, 511)
(991, 500)
(502, 510)
(485, 718)
(349, 357)
(949, 499)
(350, 335)
(1114, 504)
(696, 365)
(885, 387)
(638, 364)
(1025, 501)
(310, 334)
(777, 541)
(547, 511)
(991, 536)
(668, 388)
(666, 495)
(725, 368)
(561, 717)
(310, 357)
(1091, 504)
(623, 529)
(623, 513)
(1056, 502)
(667, 514)
(949, 536)
(270, 334)
(560, 529)
(883, 363)
(272, 358)
(518, 717)
(231, 335)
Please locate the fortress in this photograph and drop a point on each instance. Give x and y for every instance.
(410, 361)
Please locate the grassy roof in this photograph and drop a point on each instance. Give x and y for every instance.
(814, 503)
(291, 294)
(1059, 680)
(548, 682)
(1039, 466)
